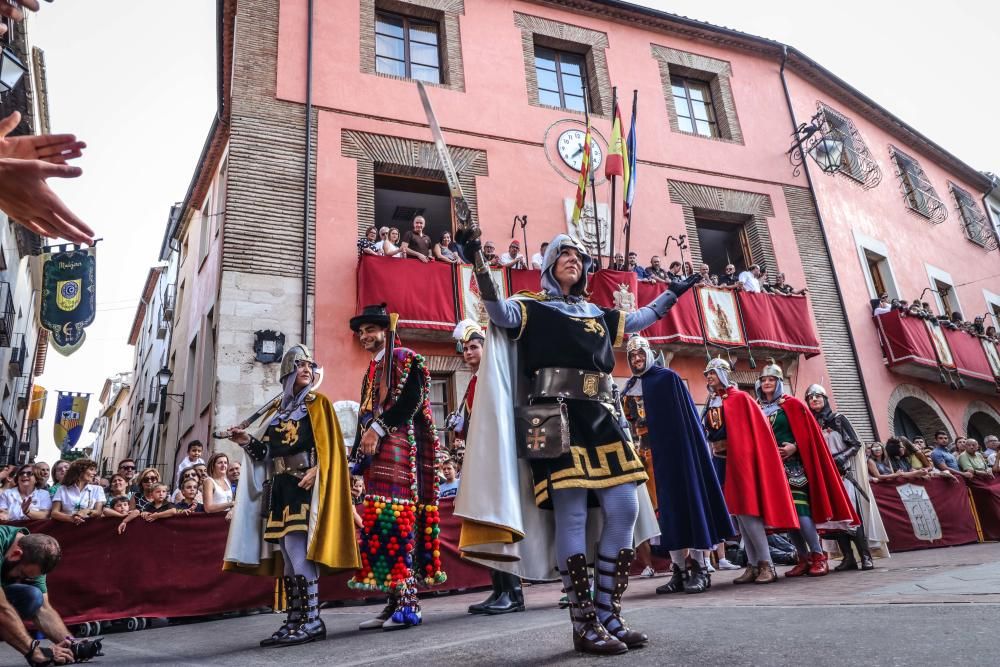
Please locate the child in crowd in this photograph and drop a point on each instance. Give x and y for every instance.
(160, 508)
(120, 507)
(193, 458)
(189, 502)
(189, 474)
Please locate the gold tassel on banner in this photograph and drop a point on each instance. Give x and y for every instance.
(975, 516)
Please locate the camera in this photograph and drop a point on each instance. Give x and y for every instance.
(86, 649)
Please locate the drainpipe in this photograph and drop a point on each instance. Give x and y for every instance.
(307, 185)
(826, 247)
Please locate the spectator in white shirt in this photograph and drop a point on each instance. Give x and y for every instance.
(990, 445)
(750, 279)
(193, 458)
(884, 306)
(513, 259)
(24, 501)
(79, 498)
(537, 258)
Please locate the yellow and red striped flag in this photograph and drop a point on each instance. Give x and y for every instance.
(581, 188)
(617, 163)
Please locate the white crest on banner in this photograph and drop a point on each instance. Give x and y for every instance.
(920, 509)
(624, 299)
(585, 230)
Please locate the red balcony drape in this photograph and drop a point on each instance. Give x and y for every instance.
(967, 351)
(422, 294)
(905, 340)
(779, 321)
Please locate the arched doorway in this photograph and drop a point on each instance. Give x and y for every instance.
(982, 424)
(914, 413)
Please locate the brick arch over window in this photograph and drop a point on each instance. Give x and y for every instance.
(405, 157)
(921, 407)
(755, 207)
(983, 416)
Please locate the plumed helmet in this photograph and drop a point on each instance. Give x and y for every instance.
(718, 364)
(816, 390)
(295, 353)
(773, 370)
(637, 343)
(467, 330)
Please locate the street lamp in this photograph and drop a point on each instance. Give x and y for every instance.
(825, 148)
(163, 377)
(11, 70)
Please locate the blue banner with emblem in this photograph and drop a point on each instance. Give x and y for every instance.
(68, 296)
(71, 409)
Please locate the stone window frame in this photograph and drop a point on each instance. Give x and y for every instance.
(406, 157)
(975, 224)
(751, 208)
(444, 12)
(716, 73)
(591, 44)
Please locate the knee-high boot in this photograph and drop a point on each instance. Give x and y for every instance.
(849, 562)
(861, 543)
(589, 634)
(496, 578)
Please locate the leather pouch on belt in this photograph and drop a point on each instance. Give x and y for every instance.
(542, 430)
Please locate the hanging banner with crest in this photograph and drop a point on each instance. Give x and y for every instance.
(71, 410)
(68, 295)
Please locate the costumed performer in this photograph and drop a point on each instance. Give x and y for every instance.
(817, 490)
(295, 474)
(399, 541)
(568, 425)
(755, 487)
(693, 514)
(507, 594)
(844, 445)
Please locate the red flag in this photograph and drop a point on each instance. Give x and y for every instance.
(617, 162)
(581, 189)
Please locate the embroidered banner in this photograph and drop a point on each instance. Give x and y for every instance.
(720, 316)
(68, 296)
(470, 304)
(71, 410)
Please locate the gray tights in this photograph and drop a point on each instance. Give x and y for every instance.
(806, 539)
(754, 538)
(293, 552)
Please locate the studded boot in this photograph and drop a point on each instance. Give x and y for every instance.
(698, 580)
(589, 634)
(294, 609)
(614, 623)
(678, 578)
(311, 628)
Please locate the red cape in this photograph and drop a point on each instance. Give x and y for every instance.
(755, 478)
(827, 498)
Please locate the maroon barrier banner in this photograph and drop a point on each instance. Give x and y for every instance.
(524, 280)
(986, 496)
(173, 568)
(604, 284)
(905, 340)
(422, 294)
(681, 322)
(778, 321)
(967, 351)
(935, 512)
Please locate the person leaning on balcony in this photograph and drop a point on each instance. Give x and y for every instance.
(656, 272)
(446, 250)
(749, 280)
(944, 460)
(779, 286)
(513, 259)
(416, 243)
(619, 263)
(633, 266)
(490, 254)
(388, 243)
(369, 244)
(729, 278)
(972, 460)
(880, 307)
(538, 257)
(674, 272)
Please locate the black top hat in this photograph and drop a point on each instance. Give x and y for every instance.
(376, 314)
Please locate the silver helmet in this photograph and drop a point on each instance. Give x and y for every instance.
(816, 390)
(293, 356)
(772, 369)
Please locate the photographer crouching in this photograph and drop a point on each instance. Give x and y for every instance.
(25, 559)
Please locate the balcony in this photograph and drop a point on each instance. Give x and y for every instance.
(169, 300)
(162, 325)
(918, 348)
(431, 298)
(153, 397)
(18, 354)
(6, 314)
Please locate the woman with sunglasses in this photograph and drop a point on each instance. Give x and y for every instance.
(148, 479)
(188, 474)
(80, 497)
(25, 501)
(118, 488)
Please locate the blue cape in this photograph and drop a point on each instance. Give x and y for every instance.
(692, 507)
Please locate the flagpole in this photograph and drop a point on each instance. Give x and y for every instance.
(593, 185)
(614, 103)
(628, 218)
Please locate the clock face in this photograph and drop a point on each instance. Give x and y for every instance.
(570, 147)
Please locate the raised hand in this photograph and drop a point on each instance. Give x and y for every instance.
(27, 198)
(54, 148)
(12, 10)
(678, 287)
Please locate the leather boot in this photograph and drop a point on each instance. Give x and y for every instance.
(765, 573)
(307, 630)
(589, 634)
(849, 562)
(817, 565)
(749, 575)
(615, 624)
(383, 616)
(511, 597)
(800, 568)
(480, 607)
(861, 544)
(698, 578)
(294, 613)
(678, 578)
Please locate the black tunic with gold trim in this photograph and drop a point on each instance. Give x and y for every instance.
(601, 454)
(289, 503)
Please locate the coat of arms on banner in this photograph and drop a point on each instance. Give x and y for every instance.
(71, 410)
(68, 296)
(586, 230)
(624, 299)
(720, 316)
(920, 509)
(470, 302)
(940, 343)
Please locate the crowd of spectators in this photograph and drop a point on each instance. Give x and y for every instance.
(922, 310)
(900, 458)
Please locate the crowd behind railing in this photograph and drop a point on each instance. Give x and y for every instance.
(922, 310)
(902, 458)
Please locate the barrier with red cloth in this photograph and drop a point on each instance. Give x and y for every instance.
(681, 324)
(522, 280)
(905, 340)
(782, 322)
(967, 351)
(173, 568)
(986, 496)
(422, 294)
(947, 499)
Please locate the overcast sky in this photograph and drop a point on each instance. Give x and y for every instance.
(136, 80)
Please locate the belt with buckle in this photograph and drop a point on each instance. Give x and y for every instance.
(294, 464)
(572, 383)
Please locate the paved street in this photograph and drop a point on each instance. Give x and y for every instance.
(931, 607)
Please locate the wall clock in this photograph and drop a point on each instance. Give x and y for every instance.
(564, 149)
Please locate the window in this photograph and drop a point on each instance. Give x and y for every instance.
(440, 398)
(561, 78)
(205, 238)
(693, 104)
(977, 228)
(943, 287)
(206, 391)
(191, 373)
(918, 193)
(407, 47)
(875, 271)
(220, 194)
(723, 243)
(856, 161)
(876, 267)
